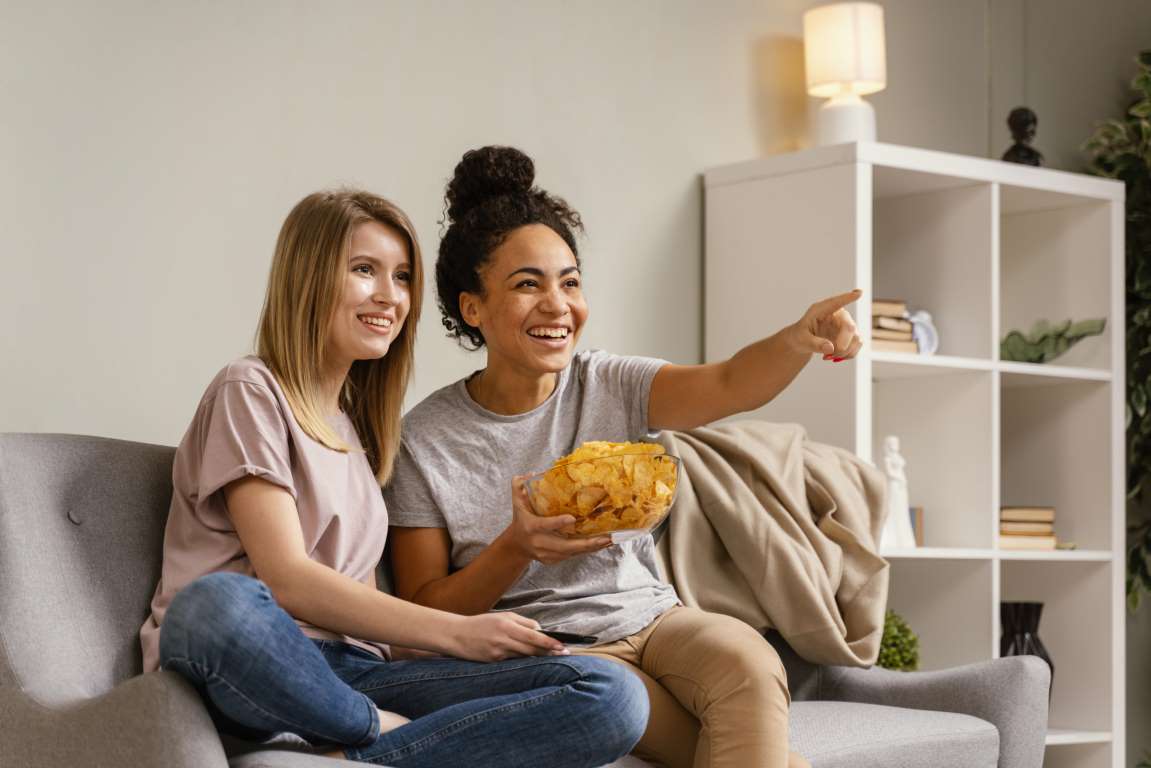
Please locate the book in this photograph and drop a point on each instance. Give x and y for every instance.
(1026, 542)
(889, 307)
(888, 345)
(1027, 514)
(891, 323)
(1027, 529)
(917, 525)
(883, 333)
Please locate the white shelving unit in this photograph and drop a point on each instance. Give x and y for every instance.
(986, 247)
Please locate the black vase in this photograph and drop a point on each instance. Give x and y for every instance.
(1020, 624)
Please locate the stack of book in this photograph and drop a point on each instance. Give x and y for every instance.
(890, 328)
(1027, 528)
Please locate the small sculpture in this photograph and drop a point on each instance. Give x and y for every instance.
(1022, 122)
(1046, 341)
(924, 332)
(897, 532)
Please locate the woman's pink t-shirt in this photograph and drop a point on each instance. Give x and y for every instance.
(244, 426)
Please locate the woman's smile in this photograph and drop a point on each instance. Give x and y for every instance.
(554, 336)
(378, 323)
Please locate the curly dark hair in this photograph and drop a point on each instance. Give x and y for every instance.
(490, 195)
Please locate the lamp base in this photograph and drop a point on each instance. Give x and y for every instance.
(844, 119)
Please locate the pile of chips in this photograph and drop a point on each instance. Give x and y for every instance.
(607, 487)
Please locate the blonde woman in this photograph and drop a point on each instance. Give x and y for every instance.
(267, 602)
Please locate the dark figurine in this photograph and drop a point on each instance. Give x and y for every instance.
(1022, 122)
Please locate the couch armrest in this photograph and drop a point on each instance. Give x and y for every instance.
(154, 719)
(1009, 693)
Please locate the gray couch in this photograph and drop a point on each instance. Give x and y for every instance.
(81, 525)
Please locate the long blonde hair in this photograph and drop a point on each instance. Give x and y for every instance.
(304, 286)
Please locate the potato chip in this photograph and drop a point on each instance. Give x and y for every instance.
(608, 487)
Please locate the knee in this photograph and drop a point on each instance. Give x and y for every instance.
(617, 715)
(206, 613)
(748, 661)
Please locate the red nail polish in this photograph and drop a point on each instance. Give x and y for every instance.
(839, 359)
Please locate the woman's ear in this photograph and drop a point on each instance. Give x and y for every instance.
(470, 308)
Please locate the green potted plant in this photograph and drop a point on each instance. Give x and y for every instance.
(1120, 149)
(899, 648)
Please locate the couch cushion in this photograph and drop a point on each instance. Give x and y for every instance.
(284, 758)
(81, 531)
(833, 734)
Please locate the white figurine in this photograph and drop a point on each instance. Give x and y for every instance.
(897, 532)
(924, 333)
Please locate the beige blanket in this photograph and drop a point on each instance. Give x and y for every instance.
(782, 533)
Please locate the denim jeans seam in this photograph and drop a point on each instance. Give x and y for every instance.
(419, 678)
(207, 674)
(373, 732)
(440, 735)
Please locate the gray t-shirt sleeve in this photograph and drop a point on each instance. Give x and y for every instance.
(629, 379)
(408, 498)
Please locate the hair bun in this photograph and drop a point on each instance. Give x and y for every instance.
(485, 173)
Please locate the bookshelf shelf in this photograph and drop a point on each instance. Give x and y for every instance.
(973, 553)
(895, 365)
(1069, 556)
(1028, 374)
(1057, 736)
(986, 247)
(939, 553)
(898, 365)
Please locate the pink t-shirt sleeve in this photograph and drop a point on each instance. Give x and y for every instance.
(246, 435)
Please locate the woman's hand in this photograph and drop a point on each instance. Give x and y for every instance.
(496, 636)
(828, 329)
(542, 538)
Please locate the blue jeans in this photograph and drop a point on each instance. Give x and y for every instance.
(259, 675)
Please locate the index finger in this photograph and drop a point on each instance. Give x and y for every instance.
(538, 641)
(829, 305)
(553, 523)
(578, 545)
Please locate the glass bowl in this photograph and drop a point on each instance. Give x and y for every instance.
(625, 494)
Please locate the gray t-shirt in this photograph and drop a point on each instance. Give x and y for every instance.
(455, 468)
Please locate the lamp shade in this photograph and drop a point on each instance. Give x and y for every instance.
(844, 49)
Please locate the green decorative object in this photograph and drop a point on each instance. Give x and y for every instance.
(1047, 341)
(899, 648)
(1120, 149)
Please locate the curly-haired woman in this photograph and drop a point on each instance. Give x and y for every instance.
(508, 278)
(267, 600)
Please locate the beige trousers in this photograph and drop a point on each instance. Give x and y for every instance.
(718, 692)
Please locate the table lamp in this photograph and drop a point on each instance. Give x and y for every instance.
(844, 59)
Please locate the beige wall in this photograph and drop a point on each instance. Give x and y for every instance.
(1069, 60)
(150, 150)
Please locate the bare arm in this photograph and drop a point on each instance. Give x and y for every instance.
(268, 525)
(421, 566)
(421, 559)
(688, 396)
